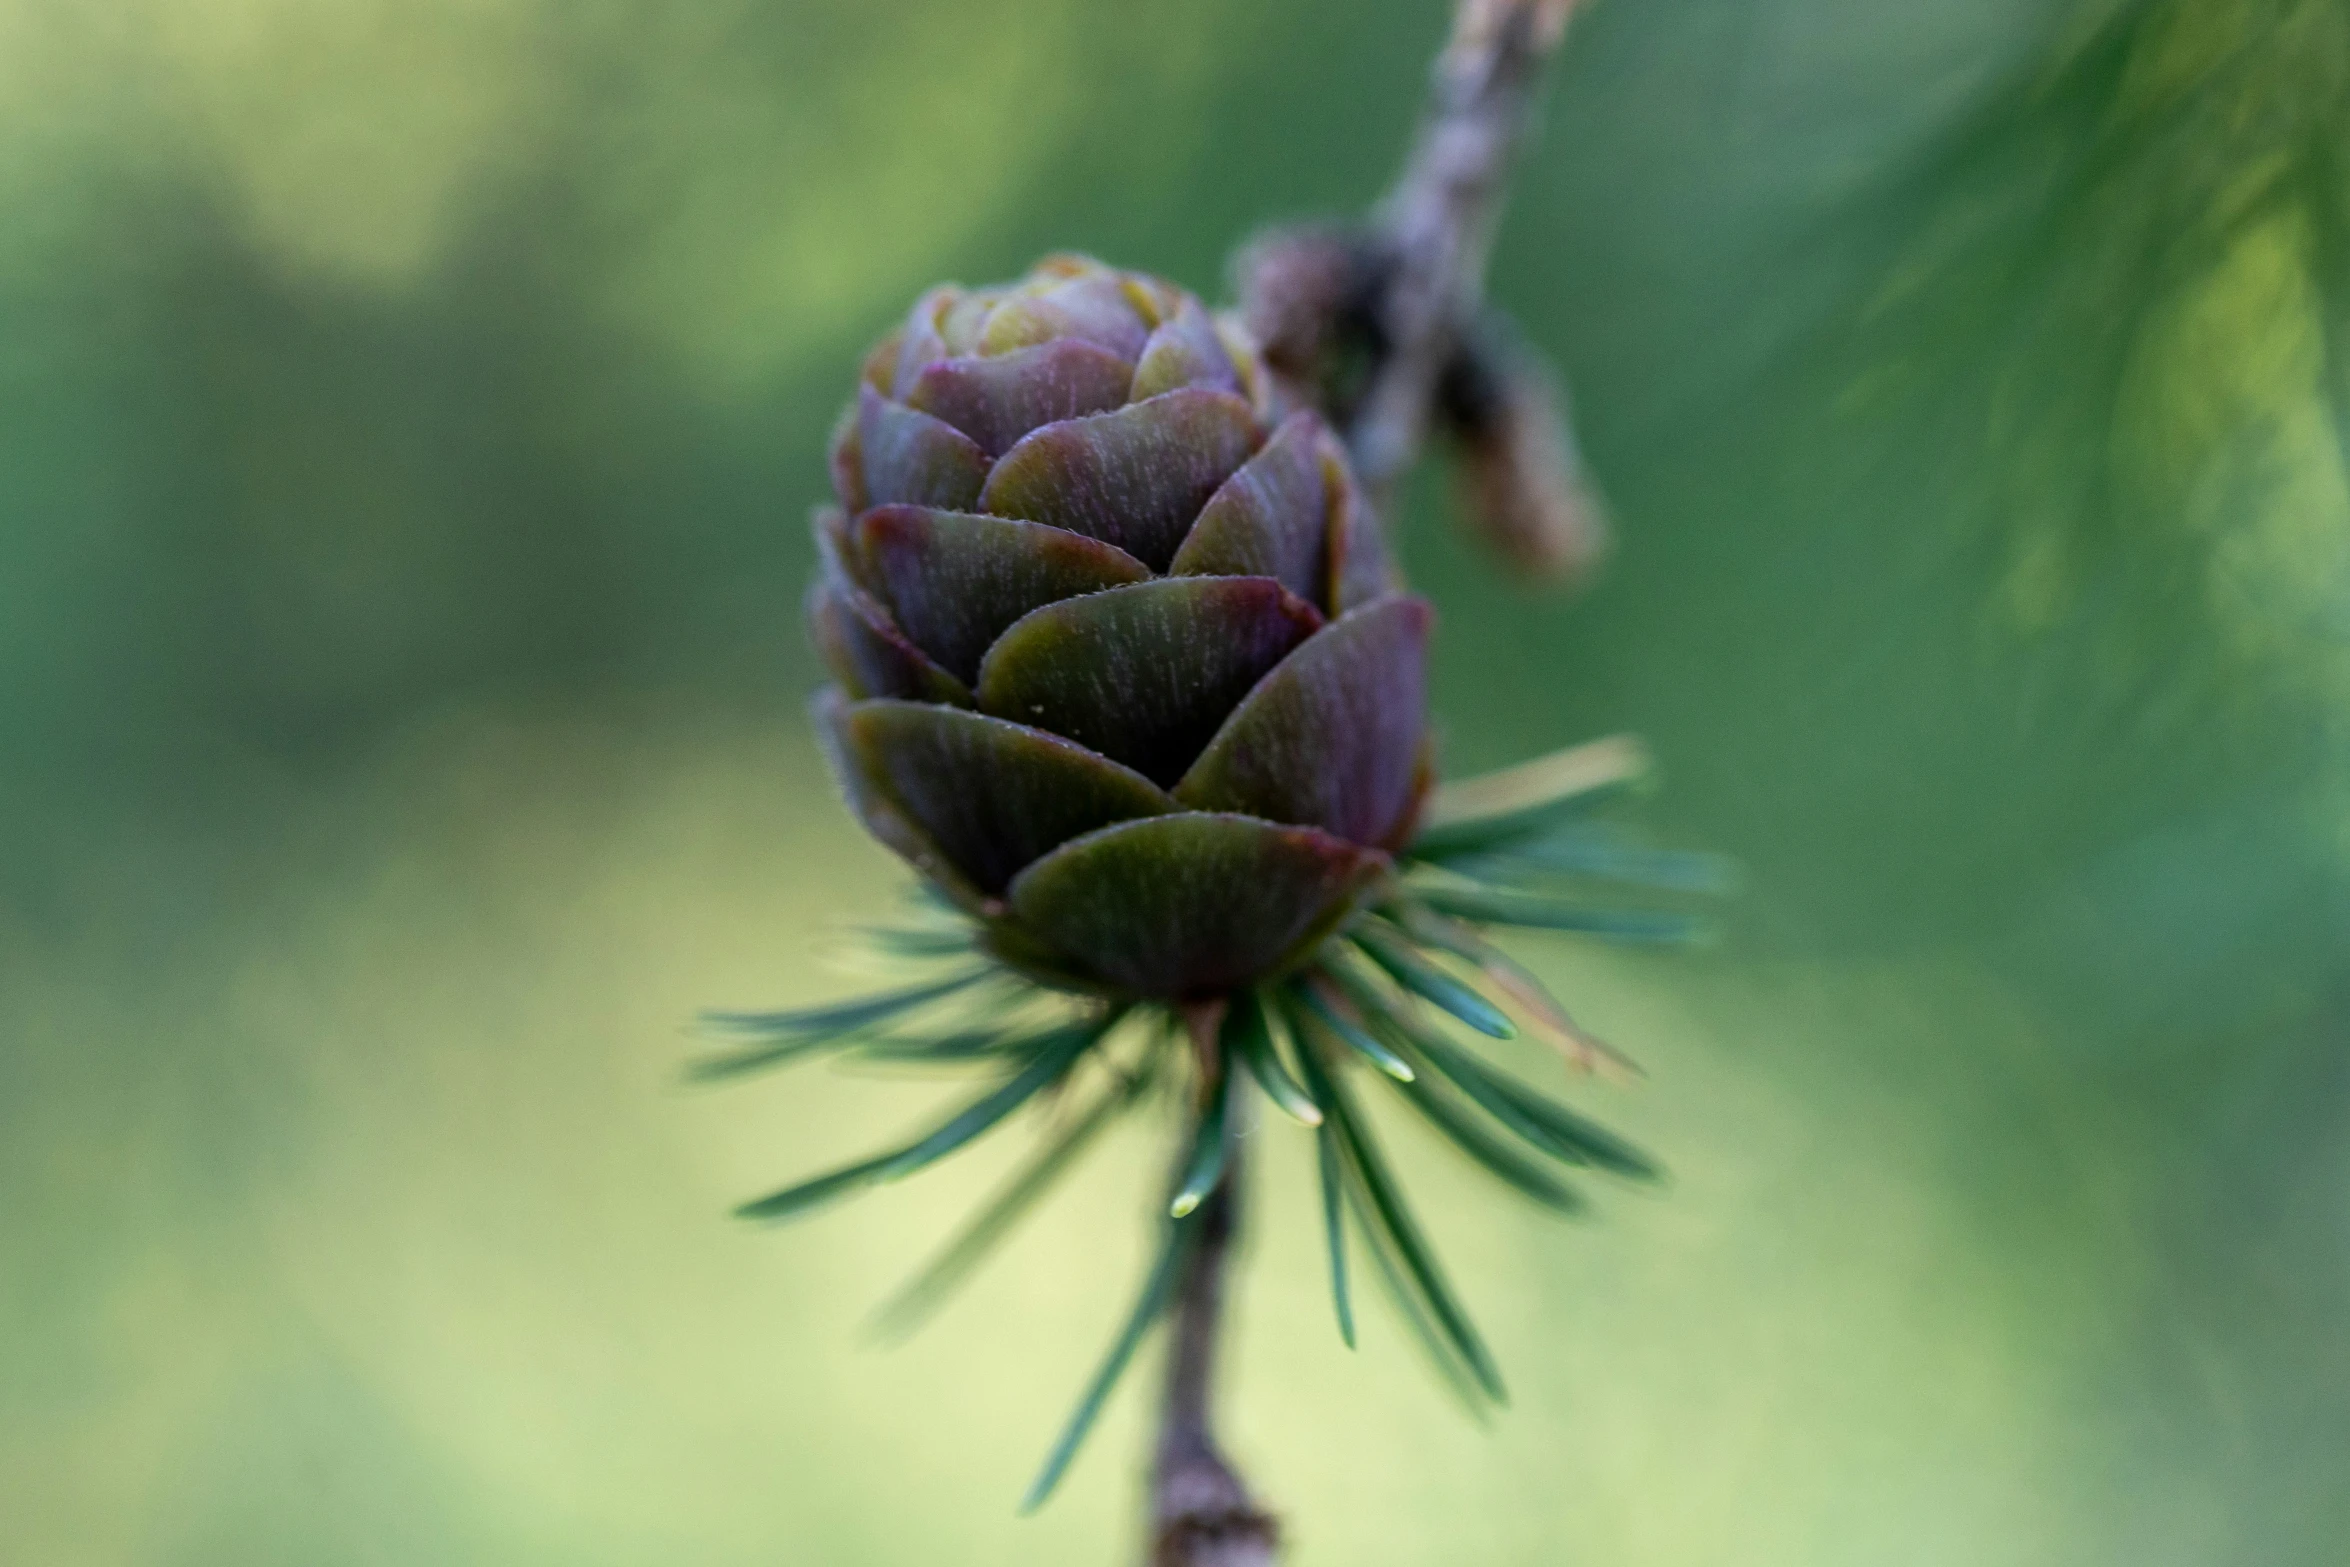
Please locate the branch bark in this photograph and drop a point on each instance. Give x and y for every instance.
(1382, 327)
(1202, 1514)
(1428, 248)
(1437, 221)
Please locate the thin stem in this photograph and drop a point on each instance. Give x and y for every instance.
(1437, 221)
(1201, 1514)
(1434, 229)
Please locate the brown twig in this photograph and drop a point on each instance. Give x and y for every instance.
(1406, 288)
(1436, 223)
(1381, 325)
(1202, 1515)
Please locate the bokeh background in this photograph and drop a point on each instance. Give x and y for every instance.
(408, 411)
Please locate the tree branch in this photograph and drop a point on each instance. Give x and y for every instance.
(1407, 289)
(1381, 326)
(1201, 1512)
(1436, 223)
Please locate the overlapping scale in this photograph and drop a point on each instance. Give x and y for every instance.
(996, 399)
(1144, 674)
(1331, 738)
(921, 339)
(991, 796)
(908, 458)
(1270, 519)
(1191, 904)
(1091, 308)
(881, 361)
(858, 640)
(964, 322)
(845, 456)
(1135, 478)
(1359, 570)
(884, 819)
(868, 657)
(954, 581)
(1185, 351)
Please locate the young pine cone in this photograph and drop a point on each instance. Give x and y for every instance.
(1120, 668)
(1120, 664)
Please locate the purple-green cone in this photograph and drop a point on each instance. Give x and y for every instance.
(1119, 663)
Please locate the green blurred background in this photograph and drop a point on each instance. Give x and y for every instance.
(408, 410)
